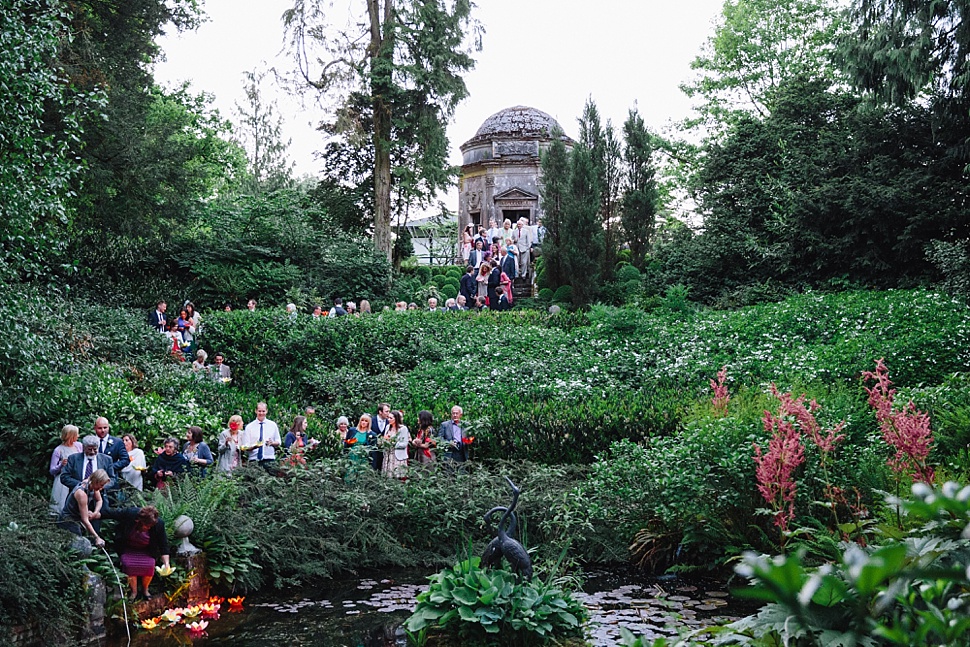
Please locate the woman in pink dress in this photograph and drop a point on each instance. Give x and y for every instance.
(466, 242)
(141, 542)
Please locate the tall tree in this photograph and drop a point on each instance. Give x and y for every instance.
(410, 70)
(902, 48)
(641, 198)
(605, 153)
(260, 129)
(554, 188)
(582, 230)
(757, 44)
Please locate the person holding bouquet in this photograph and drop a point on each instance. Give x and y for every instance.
(424, 441)
(396, 441)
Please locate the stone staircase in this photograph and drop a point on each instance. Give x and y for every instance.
(523, 288)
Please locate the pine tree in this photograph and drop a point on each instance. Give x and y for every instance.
(261, 132)
(640, 200)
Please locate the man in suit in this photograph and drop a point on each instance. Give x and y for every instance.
(113, 446)
(157, 318)
(82, 465)
(453, 436)
(466, 285)
(433, 305)
(506, 262)
(221, 370)
(379, 424)
(461, 303)
(477, 255)
(523, 238)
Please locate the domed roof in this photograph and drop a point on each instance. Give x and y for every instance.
(518, 122)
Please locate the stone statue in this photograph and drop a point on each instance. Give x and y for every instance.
(504, 543)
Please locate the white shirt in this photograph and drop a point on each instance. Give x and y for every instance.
(250, 436)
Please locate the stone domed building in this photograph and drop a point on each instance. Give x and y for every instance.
(500, 167)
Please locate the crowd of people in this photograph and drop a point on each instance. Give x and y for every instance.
(92, 473)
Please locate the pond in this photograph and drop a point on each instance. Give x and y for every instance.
(368, 612)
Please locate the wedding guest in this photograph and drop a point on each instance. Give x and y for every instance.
(140, 542)
(195, 321)
(398, 437)
(412, 306)
(317, 312)
(424, 441)
(251, 305)
(352, 308)
(263, 436)
(466, 241)
(291, 311)
(338, 308)
(453, 434)
(131, 473)
(477, 255)
(220, 370)
(68, 447)
(82, 509)
(196, 452)
(380, 423)
(157, 318)
(297, 434)
(365, 307)
(112, 446)
(482, 280)
(400, 306)
(200, 357)
(168, 464)
(229, 455)
(80, 466)
(343, 428)
(524, 240)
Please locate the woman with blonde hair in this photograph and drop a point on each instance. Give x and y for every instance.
(82, 510)
(229, 440)
(69, 445)
(136, 458)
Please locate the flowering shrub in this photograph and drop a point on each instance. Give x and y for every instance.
(906, 430)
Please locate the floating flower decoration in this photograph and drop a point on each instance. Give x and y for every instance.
(172, 616)
(165, 570)
(468, 440)
(210, 611)
(235, 604)
(149, 624)
(191, 612)
(215, 599)
(197, 628)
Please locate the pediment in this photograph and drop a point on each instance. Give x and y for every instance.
(515, 193)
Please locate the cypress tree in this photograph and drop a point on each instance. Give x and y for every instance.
(554, 188)
(582, 230)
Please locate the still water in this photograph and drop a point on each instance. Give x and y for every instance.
(368, 612)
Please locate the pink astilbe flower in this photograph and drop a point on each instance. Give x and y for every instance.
(776, 468)
(804, 415)
(721, 397)
(907, 430)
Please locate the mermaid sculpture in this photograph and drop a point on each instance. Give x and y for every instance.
(504, 543)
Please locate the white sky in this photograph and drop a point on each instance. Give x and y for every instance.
(539, 53)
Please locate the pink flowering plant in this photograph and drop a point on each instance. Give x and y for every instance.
(906, 430)
(776, 468)
(721, 396)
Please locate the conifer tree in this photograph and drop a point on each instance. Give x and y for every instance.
(261, 132)
(582, 231)
(554, 188)
(641, 197)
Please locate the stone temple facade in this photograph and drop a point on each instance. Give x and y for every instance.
(500, 167)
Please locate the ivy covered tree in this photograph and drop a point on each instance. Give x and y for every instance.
(407, 63)
(39, 125)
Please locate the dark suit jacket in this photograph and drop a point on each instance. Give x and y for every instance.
(456, 449)
(73, 472)
(157, 539)
(508, 266)
(115, 448)
(494, 280)
(467, 286)
(157, 320)
(475, 258)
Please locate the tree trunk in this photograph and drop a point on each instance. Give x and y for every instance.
(381, 53)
